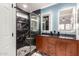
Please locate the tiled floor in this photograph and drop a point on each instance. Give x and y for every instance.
(36, 54)
(25, 50)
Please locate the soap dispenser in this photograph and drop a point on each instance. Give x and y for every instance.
(54, 32)
(58, 34)
(51, 33)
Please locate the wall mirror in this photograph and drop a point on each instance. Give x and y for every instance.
(45, 22)
(67, 20)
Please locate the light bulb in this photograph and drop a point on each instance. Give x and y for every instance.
(25, 6)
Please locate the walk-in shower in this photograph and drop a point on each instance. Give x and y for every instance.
(27, 27)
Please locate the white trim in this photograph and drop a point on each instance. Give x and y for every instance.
(77, 25)
(73, 15)
(50, 22)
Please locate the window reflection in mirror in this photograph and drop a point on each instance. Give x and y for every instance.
(46, 22)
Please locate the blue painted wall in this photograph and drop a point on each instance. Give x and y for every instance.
(54, 9)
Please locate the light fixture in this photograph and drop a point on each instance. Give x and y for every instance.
(25, 5)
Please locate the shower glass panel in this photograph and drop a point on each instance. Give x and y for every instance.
(34, 29)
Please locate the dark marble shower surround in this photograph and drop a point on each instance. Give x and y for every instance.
(22, 30)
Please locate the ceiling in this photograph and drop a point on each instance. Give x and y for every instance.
(33, 6)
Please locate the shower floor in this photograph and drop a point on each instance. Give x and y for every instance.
(25, 50)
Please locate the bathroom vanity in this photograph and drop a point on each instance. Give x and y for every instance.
(57, 46)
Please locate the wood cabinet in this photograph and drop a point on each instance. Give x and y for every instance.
(60, 48)
(45, 45)
(51, 46)
(78, 48)
(39, 43)
(54, 46)
(71, 48)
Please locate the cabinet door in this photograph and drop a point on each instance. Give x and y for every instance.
(51, 47)
(51, 50)
(39, 43)
(78, 48)
(45, 44)
(71, 48)
(60, 48)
